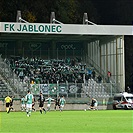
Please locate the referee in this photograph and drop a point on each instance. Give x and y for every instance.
(8, 101)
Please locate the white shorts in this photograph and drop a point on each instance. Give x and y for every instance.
(29, 106)
(23, 105)
(48, 105)
(95, 104)
(62, 106)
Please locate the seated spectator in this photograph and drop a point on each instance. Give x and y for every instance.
(48, 71)
(93, 74)
(99, 79)
(89, 73)
(21, 75)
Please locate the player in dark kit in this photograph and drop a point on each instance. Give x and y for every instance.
(93, 104)
(57, 102)
(41, 103)
(33, 104)
(11, 103)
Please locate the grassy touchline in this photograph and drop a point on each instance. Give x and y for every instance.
(119, 121)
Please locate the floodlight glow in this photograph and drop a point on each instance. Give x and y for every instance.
(86, 20)
(20, 19)
(54, 20)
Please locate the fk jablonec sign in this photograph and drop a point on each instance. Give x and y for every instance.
(44, 28)
(32, 28)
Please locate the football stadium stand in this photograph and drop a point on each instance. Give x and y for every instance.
(69, 77)
(62, 59)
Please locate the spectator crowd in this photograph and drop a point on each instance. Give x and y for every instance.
(40, 71)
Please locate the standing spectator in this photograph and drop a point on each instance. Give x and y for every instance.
(108, 76)
(57, 102)
(93, 74)
(89, 73)
(41, 103)
(99, 79)
(62, 103)
(128, 89)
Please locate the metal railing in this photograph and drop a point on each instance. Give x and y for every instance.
(10, 77)
(102, 73)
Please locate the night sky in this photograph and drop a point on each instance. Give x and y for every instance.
(114, 11)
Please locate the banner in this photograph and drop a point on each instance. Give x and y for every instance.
(53, 89)
(35, 89)
(44, 88)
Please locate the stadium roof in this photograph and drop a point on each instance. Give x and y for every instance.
(65, 29)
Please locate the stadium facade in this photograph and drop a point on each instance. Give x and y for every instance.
(99, 46)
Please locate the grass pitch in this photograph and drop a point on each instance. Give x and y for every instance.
(104, 121)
